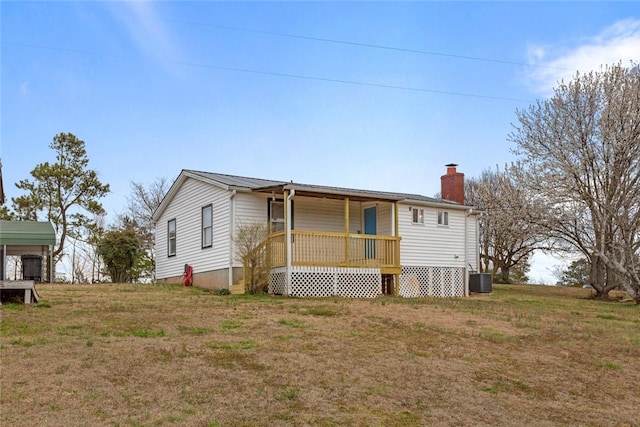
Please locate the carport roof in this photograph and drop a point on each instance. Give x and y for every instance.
(26, 233)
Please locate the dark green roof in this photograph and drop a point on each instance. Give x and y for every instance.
(27, 233)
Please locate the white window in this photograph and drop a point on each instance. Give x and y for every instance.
(171, 237)
(276, 218)
(207, 226)
(443, 218)
(417, 216)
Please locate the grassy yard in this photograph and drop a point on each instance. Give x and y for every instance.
(150, 355)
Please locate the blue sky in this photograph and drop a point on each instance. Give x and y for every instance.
(365, 95)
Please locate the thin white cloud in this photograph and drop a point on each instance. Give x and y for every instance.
(24, 88)
(146, 28)
(618, 43)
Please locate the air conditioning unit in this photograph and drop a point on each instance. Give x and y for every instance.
(480, 282)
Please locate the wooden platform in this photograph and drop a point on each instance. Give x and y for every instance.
(238, 288)
(16, 286)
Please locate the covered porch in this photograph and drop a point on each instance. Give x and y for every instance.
(331, 241)
(326, 249)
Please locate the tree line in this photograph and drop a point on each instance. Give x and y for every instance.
(67, 194)
(573, 190)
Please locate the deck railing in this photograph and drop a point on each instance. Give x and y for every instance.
(315, 248)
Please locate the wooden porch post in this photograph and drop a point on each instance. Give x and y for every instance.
(396, 234)
(287, 242)
(346, 231)
(288, 195)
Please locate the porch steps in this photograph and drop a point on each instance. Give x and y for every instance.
(238, 288)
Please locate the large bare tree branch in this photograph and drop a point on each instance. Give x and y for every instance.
(580, 152)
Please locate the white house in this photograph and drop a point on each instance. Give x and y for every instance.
(323, 240)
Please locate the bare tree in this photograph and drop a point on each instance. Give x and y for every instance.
(84, 244)
(580, 154)
(507, 235)
(144, 200)
(248, 243)
(79, 262)
(142, 203)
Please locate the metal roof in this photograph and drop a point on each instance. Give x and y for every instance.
(267, 185)
(27, 233)
(236, 181)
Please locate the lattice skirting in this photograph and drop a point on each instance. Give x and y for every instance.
(327, 281)
(432, 282)
(278, 281)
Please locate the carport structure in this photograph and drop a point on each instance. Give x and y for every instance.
(24, 238)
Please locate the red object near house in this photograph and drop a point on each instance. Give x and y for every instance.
(187, 276)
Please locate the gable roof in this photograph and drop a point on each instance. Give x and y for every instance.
(241, 183)
(233, 182)
(27, 233)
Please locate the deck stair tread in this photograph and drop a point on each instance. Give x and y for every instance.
(238, 288)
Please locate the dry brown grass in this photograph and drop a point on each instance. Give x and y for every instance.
(143, 355)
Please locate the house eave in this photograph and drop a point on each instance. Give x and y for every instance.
(179, 181)
(441, 205)
(316, 191)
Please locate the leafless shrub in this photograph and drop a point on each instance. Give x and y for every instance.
(250, 246)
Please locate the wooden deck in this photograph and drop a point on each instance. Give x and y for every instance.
(20, 287)
(322, 249)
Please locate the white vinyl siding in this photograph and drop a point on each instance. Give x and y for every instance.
(385, 219)
(250, 208)
(472, 242)
(186, 208)
(325, 215)
(432, 245)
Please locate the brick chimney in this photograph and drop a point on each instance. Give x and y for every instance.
(452, 185)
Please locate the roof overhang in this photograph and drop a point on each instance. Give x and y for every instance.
(248, 185)
(328, 192)
(471, 210)
(360, 196)
(27, 233)
(179, 181)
